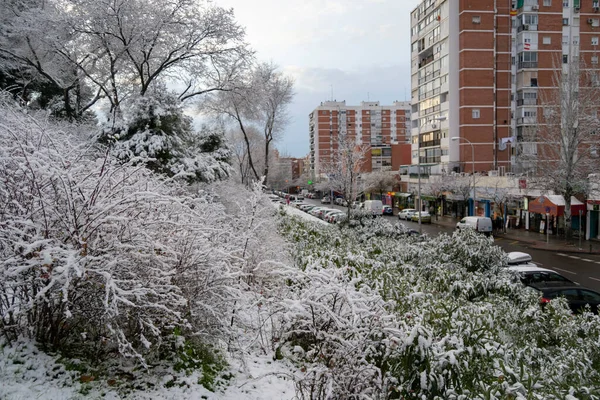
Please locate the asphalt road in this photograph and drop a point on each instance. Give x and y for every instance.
(581, 268)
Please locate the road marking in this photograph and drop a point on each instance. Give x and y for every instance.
(562, 254)
(596, 279)
(597, 262)
(587, 260)
(575, 257)
(564, 270)
(537, 263)
(514, 242)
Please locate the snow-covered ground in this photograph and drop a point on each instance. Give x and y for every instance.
(27, 373)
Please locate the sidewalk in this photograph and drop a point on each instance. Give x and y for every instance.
(534, 239)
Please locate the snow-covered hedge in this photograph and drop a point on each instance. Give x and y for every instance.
(101, 257)
(379, 314)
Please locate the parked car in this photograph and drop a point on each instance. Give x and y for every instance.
(324, 211)
(306, 207)
(425, 217)
(374, 206)
(330, 215)
(530, 274)
(337, 217)
(315, 211)
(338, 201)
(577, 297)
(387, 210)
(326, 200)
(480, 224)
(406, 214)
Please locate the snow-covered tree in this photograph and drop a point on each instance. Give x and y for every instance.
(343, 168)
(35, 50)
(567, 139)
(158, 133)
(461, 186)
(274, 92)
(378, 181)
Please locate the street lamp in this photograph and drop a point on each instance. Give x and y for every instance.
(440, 118)
(454, 139)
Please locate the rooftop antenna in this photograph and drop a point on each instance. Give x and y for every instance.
(368, 99)
(331, 92)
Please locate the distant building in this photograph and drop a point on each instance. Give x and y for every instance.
(381, 127)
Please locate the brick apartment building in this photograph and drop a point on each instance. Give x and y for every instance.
(478, 69)
(384, 128)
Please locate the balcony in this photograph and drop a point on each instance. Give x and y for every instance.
(526, 102)
(527, 64)
(431, 143)
(430, 160)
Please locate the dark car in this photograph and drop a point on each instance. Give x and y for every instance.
(387, 210)
(576, 296)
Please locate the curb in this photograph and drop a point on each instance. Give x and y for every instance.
(542, 246)
(535, 243)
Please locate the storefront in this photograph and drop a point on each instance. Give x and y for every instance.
(593, 219)
(403, 200)
(546, 214)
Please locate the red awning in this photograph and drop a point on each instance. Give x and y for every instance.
(555, 205)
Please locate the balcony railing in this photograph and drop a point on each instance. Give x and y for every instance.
(527, 64)
(431, 160)
(526, 102)
(430, 143)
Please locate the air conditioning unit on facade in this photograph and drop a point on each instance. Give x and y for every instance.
(590, 21)
(493, 173)
(525, 27)
(434, 126)
(535, 7)
(596, 8)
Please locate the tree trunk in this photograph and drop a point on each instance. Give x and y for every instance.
(266, 174)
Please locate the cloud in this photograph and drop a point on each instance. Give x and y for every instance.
(361, 48)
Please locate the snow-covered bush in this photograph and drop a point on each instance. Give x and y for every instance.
(101, 256)
(386, 315)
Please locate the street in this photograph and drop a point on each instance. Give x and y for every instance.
(581, 268)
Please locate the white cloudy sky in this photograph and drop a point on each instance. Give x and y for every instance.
(360, 47)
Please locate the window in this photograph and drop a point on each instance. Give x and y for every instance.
(475, 114)
(546, 40)
(547, 3)
(565, 3)
(565, 58)
(565, 40)
(476, 19)
(595, 22)
(594, 40)
(594, 59)
(565, 21)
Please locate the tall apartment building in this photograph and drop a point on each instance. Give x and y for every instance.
(382, 127)
(478, 67)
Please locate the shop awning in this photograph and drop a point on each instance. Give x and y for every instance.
(555, 205)
(403, 194)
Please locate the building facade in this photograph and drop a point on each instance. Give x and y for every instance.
(370, 123)
(478, 69)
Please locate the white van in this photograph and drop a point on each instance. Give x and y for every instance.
(375, 206)
(480, 224)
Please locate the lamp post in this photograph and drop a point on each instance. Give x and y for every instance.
(441, 118)
(454, 139)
